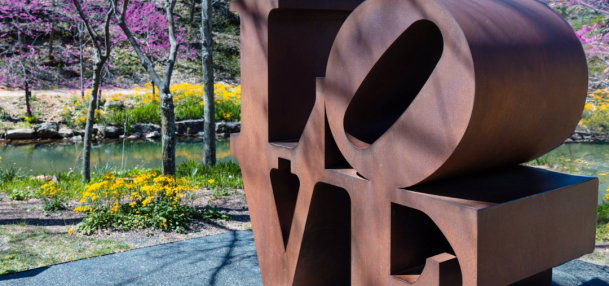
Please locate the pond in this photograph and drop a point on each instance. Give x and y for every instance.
(47, 157)
(583, 159)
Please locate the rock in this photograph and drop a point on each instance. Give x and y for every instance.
(200, 134)
(222, 135)
(153, 134)
(233, 127)
(220, 127)
(96, 129)
(76, 138)
(45, 178)
(113, 131)
(65, 132)
(113, 104)
(108, 131)
(190, 126)
(143, 128)
(24, 133)
(134, 136)
(80, 132)
(228, 127)
(46, 130)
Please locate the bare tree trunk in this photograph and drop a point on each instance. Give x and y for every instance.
(100, 60)
(52, 37)
(82, 66)
(86, 158)
(209, 140)
(28, 93)
(168, 132)
(191, 22)
(166, 99)
(19, 35)
(152, 81)
(51, 40)
(167, 108)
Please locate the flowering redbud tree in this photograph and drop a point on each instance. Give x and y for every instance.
(23, 23)
(594, 37)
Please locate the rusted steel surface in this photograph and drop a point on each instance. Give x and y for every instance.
(394, 130)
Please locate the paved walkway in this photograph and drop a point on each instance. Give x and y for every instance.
(224, 259)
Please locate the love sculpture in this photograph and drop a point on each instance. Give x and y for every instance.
(381, 140)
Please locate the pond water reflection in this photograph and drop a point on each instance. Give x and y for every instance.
(582, 159)
(40, 157)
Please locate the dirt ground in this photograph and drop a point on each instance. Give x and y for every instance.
(49, 102)
(29, 213)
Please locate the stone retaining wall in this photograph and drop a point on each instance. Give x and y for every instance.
(51, 130)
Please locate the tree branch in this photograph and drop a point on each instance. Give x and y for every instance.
(593, 8)
(107, 32)
(173, 44)
(136, 47)
(92, 33)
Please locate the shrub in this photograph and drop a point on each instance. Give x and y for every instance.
(188, 100)
(30, 119)
(53, 196)
(9, 174)
(596, 113)
(146, 200)
(146, 113)
(19, 195)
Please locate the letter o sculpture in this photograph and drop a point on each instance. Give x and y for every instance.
(491, 86)
(381, 141)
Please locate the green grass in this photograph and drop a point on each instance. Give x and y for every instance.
(560, 163)
(187, 110)
(224, 175)
(18, 186)
(30, 247)
(22, 187)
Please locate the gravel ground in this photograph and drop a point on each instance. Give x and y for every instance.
(225, 259)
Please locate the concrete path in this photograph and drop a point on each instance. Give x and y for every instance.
(224, 259)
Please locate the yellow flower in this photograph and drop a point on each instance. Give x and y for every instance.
(108, 176)
(211, 181)
(70, 231)
(588, 106)
(114, 208)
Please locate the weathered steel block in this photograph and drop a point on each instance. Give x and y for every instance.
(394, 130)
(523, 220)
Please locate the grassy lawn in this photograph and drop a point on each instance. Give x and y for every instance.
(24, 247)
(48, 222)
